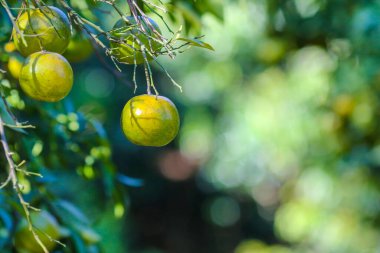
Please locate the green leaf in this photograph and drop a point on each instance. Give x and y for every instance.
(79, 244)
(197, 43)
(89, 235)
(191, 18)
(130, 181)
(70, 212)
(7, 118)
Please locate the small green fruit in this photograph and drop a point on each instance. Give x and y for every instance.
(45, 224)
(15, 63)
(79, 48)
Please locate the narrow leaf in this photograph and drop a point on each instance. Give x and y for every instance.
(129, 181)
(197, 43)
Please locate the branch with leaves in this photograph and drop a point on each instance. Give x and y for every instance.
(12, 178)
(136, 34)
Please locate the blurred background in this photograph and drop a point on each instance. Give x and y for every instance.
(279, 146)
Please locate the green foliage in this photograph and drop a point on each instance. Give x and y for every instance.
(280, 114)
(292, 96)
(58, 141)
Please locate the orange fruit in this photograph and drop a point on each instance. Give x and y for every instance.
(46, 224)
(79, 48)
(46, 76)
(135, 40)
(46, 28)
(150, 120)
(15, 63)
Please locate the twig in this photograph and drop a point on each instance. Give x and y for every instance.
(20, 126)
(169, 76)
(12, 18)
(13, 178)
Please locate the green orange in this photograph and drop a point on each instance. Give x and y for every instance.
(150, 120)
(46, 28)
(46, 76)
(15, 63)
(44, 223)
(131, 40)
(79, 48)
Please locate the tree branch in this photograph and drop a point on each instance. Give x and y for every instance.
(16, 186)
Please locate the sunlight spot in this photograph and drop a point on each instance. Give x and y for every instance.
(138, 112)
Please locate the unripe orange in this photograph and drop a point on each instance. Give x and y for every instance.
(46, 28)
(46, 76)
(150, 120)
(79, 48)
(135, 40)
(44, 223)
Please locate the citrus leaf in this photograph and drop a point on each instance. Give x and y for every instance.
(89, 235)
(79, 244)
(197, 43)
(130, 181)
(6, 220)
(71, 213)
(7, 118)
